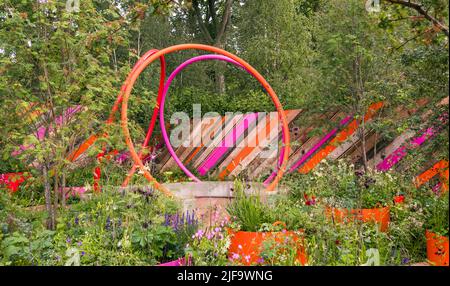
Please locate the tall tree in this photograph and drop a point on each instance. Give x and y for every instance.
(213, 19)
(433, 11)
(55, 59)
(356, 64)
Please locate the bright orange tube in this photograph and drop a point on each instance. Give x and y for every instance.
(132, 77)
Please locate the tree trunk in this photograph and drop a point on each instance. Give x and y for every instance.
(214, 33)
(63, 192)
(219, 73)
(363, 143)
(48, 198)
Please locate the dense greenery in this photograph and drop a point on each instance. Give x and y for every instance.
(319, 56)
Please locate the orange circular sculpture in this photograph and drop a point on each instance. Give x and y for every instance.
(132, 77)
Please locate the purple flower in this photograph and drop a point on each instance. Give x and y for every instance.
(77, 220)
(108, 223)
(83, 253)
(199, 234)
(68, 240)
(359, 173)
(166, 219)
(405, 260)
(79, 243)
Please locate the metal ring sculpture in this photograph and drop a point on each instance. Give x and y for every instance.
(163, 100)
(148, 59)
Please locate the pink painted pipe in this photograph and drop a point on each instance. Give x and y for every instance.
(311, 151)
(163, 99)
(218, 152)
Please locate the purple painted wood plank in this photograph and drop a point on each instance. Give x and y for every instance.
(232, 137)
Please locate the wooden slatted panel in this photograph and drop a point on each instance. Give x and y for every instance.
(212, 144)
(247, 155)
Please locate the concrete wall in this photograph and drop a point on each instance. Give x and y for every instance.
(210, 198)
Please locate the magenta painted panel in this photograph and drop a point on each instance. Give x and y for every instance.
(401, 152)
(232, 136)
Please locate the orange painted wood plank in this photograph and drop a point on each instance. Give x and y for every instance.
(209, 133)
(83, 147)
(236, 150)
(213, 142)
(246, 150)
(436, 169)
(244, 158)
(340, 137)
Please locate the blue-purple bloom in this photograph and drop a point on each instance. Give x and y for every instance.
(177, 222)
(108, 223)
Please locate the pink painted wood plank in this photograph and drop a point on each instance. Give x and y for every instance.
(401, 152)
(223, 148)
(245, 162)
(212, 143)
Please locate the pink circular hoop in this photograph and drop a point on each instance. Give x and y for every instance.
(163, 99)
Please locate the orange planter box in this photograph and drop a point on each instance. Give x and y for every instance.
(437, 249)
(380, 216)
(248, 245)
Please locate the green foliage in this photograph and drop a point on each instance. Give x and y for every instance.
(250, 213)
(435, 208)
(247, 210)
(341, 185)
(209, 247)
(113, 228)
